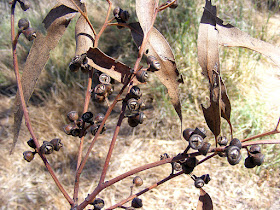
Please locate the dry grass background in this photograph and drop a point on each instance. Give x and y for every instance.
(253, 87)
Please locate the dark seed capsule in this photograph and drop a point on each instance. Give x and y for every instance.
(187, 133)
(72, 116)
(24, 4)
(29, 34)
(142, 76)
(23, 24)
(28, 156)
(94, 129)
(116, 12)
(98, 203)
(109, 89)
(98, 98)
(99, 118)
(124, 15)
(154, 63)
(235, 142)
(222, 140)
(233, 155)
(57, 144)
(205, 148)
(100, 89)
(135, 92)
(104, 78)
(75, 131)
(258, 158)
(177, 166)
(206, 178)
(137, 181)
(87, 117)
(199, 183)
(196, 141)
(249, 163)
(133, 105)
(136, 203)
(68, 128)
(46, 148)
(31, 143)
(164, 156)
(254, 149)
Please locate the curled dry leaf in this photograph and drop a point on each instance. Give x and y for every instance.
(108, 65)
(204, 201)
(145, 10)
(84, 36)
(208, 58)
(72, 4)
(56, 23)
(158, 47)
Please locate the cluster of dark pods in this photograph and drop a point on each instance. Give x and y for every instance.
(134, 105)
(24, 27)
(104, 87)
(255, 157)
(121, 16)
(80, 125)
(46, 148)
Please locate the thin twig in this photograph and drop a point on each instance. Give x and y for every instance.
(85, 16)
(113, 142)
(25, 111)
(171, 176)
(166, 5)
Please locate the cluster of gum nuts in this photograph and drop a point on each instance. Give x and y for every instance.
(80, 125)
(24, 27)
(46, 148)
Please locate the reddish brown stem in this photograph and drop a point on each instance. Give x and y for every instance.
(145, 190)
(97, 37)
(25, 111)
(112, 145)
(85, 16)
(164, 6)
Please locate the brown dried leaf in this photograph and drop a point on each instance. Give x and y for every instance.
(145, 10)
(231, 36)
(169, 75)
(204, 201)
(70, 4)
(212, 114)
(108, 65)
(56, 23)
(84, 36)
(225, 104)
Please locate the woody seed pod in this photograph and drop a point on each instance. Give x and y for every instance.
(258, 158)
(87, 117)
(98, 98)
(249, 163)
(233, 155)
(23, 24)
(235, 142)
(222, 140)
(124, 15)
(46, 148)
(254, 149)
(109, 89)
(31, 143)
(24, 4)
(116, 12)
(28, 156)
(135, 92)
(206, 178)
(68, 128)
(133, 105)
(142, 76)
(137, 181)
(72, 116)
(174, 5)
(100, 89)
(154, 63)
(57, 144)
(198, 183)
(187, 133)
(136, 203)
(29, 34)
(196, 141)
(104, 78)
(204, 149)
(98, 203)
(99, 118)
